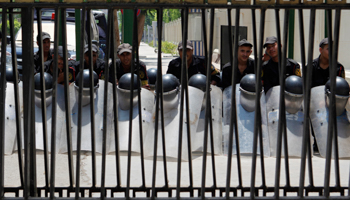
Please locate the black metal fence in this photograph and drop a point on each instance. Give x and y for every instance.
(25, 133)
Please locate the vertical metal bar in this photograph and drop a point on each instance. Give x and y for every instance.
(184, 88)
(61, 16)
(159, 93)
(208, 117)
(258, 108)
(54, 112)
(43, 102)
(282, 116)
(28, 111)
(233, 119)
(105, 104)
(233, 97)
(156, 123)
(333, 72)
(33, 173)
(282, 102)
(160, 86)
(307, 78)
(132, 69)
(136, 50)
(159, 103)
(115, 96)
(92, 100)
(188, 124)
(212, 155)
(2, 100)
(332, 116)
(257, 117)
(17, 100)
(81, 68)
(255, 48)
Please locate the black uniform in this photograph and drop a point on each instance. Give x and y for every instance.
(227, 73)
(98, 68)
(197, 66)
(270, 72)
(37, 59)
(71, 73)
(142, 73)
(321, 76)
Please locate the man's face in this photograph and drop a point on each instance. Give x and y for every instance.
(46, 45)
(272, 50)
(324, 51)
(94, 57)
(244, 53)
(189, 54)
(125, 58)
(60, 64)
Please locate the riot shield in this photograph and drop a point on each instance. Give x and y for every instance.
(39, 133)
(171, 126)
(319, 114)
(147, 104)
(245, 122)
(86, 119)
(216, 120)
(294, 125)
(10, 116)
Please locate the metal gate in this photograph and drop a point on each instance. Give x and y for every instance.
(204, 175)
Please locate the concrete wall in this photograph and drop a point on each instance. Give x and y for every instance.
(173, 29)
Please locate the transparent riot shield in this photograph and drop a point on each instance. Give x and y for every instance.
(60, 109)
(86, 137)
(216, 120)
(294, 125)
(10, 116)
(171, 123)
(147, 105)
(319, 114)
(245, 122)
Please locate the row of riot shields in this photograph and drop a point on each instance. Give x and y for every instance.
(220, 120)
(269, 102)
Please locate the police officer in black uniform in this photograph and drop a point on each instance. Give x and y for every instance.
(123, 65)
(320, 66)
(245, 64)
(195, 64)
(48, 67)
(270, 70)
(98, 63)
(46, 47)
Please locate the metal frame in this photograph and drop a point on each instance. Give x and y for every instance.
(29, 188)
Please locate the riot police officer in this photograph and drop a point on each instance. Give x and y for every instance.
(195, 64)
(245, 64)
(46, 47)
(320, 66)
(48, 67)
(98, 63)
(270, 71)
(123, 64)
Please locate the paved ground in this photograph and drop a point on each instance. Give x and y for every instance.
(150, 57)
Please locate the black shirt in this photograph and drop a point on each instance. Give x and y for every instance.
(98, 68)
(37, 59)
(321, 76)
(270, 72)
(142, 73)
(227, 73)
(198, 65)
(71, 69)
